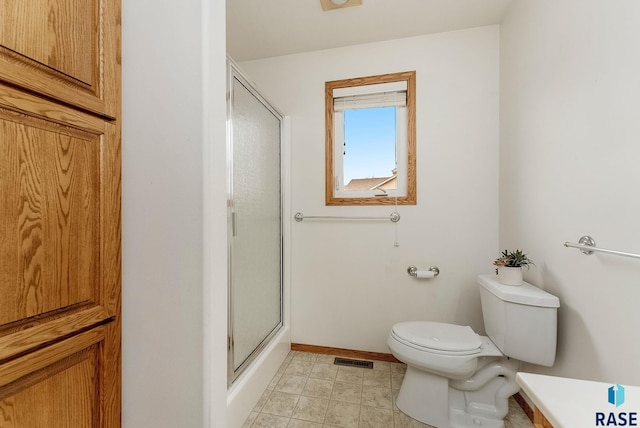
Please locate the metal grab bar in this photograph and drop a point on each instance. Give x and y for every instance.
(587, 246)
(394, 217)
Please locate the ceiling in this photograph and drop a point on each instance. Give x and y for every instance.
(267, 28)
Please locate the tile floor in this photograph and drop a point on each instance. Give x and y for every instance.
(309, 391)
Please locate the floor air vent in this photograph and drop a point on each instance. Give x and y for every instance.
(353, 363)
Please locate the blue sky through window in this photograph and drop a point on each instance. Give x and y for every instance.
(370, 137)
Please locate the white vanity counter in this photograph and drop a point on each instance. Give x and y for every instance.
(574, 403)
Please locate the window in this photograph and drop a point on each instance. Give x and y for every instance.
(371, 140)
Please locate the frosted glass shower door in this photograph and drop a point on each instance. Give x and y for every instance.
(255, 217)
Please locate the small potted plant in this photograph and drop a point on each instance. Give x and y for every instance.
(509, 266)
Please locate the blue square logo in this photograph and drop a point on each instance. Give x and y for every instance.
(616, 395)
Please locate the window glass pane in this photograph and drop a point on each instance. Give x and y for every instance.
(369, 158)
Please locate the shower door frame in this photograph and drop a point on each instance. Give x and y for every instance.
(233, 72)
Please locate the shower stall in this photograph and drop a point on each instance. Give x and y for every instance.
(255, 221)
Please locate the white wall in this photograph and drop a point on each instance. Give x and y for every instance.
(569, 150)
(349, 283)
(214, 251)
(170, 108)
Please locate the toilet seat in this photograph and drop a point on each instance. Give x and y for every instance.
(439, 338)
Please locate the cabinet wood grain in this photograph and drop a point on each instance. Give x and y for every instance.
(60, 187)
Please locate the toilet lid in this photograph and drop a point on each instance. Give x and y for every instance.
(437, 335)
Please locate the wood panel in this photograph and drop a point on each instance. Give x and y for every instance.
(49, 185)
(60, 186)
(539, 421)
(64, 388)
(61, 48)
(524, 405)
(111, 264)
(38, 335)
(348, 353)
(60, 277)
(61, 34)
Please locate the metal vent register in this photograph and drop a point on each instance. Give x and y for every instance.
(353, 363)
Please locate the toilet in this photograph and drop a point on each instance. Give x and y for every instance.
(458, 379)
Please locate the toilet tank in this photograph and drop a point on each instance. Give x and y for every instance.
(522, 320)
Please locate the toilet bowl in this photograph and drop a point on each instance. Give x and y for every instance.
(456, 378)
(449, 350)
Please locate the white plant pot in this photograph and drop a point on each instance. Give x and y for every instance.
(510, 275)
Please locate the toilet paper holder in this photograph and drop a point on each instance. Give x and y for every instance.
(432, 272)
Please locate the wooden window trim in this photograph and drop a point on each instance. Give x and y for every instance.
(410, 198)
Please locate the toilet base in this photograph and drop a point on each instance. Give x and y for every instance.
(480, 401)
(424, 397)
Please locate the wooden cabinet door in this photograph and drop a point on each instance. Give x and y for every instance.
(60, 214)
(64, 49)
